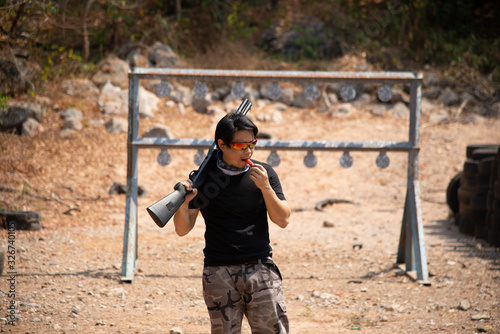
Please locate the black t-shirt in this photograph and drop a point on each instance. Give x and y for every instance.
(235, 214)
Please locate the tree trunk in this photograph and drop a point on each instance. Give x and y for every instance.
(86, 44)
(178, 9)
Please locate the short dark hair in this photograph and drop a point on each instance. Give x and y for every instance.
(229, 124)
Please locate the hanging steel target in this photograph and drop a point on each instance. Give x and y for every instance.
(199, 157)
(384, 93)
(274, 91)
(310, 160)
(238, 90)
(164, 158)
(382, 160)
(200, 89)
(164, 89)
(311, 92)
(348, 93)
(346, 160)
(274, 159)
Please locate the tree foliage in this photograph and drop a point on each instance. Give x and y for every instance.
(60, 32)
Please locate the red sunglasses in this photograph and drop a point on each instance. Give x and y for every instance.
(243, 145)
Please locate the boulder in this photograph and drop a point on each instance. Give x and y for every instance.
(448, 97)
(301, 101)
(81, 88)
(161, 55)
(113, 70)
(182, 94)
(400, 110)
(71, 112)
(158, 131)
(286, 97)
(21, 220)
(16, 72)
(114, 101)
(116, 125)
(72, 123)
(306, 39)
(31, 127)
(17, 113)
(148, 103)
(200, 105)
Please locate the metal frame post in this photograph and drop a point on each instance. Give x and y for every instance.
(130, 238)
(411, 250)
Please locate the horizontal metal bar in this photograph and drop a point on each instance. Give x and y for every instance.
(288, 145)
(311, 76)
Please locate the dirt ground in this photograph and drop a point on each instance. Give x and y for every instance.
(68, 274)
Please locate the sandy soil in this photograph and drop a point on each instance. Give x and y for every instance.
(68, 274)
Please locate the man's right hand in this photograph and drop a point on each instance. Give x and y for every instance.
(192, 192)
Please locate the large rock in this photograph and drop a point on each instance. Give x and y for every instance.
(493, 110)
(200, 105)
(448, 97)
(21, 220)
(182, 94)
(17, 113)
(158, 131)
(31, 127)
(287, 94)
(80, 88)
(400, 110)
(117, 125)
(306, 40)
(114, 101)
(301, 101)
(113, 70)
(161, 55)
(16, 72)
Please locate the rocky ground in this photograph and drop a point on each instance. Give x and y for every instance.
(67, 275)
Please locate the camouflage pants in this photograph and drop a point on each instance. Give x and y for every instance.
(253, 290)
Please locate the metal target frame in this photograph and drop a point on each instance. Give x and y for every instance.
(411, 250)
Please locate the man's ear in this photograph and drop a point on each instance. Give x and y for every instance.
(221, 144)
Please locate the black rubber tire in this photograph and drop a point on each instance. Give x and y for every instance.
(482, 189)
(494, 171)
(490, 198)
(452, 193)
(478, 202)
(495, 222)
(464, 195)
(481, 231)
(22, 220)
(482, 153)
(482, 179)
(464, 209)
(471, 148)
(494, 238)
(466, 226)
(496, 206)
(468, 183)
(470, 168)
(485, 165)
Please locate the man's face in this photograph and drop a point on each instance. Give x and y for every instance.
(234, 157)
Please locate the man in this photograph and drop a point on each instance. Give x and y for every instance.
(235, 199)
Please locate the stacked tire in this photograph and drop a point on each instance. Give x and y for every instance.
(493, 204)
(469, 192)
